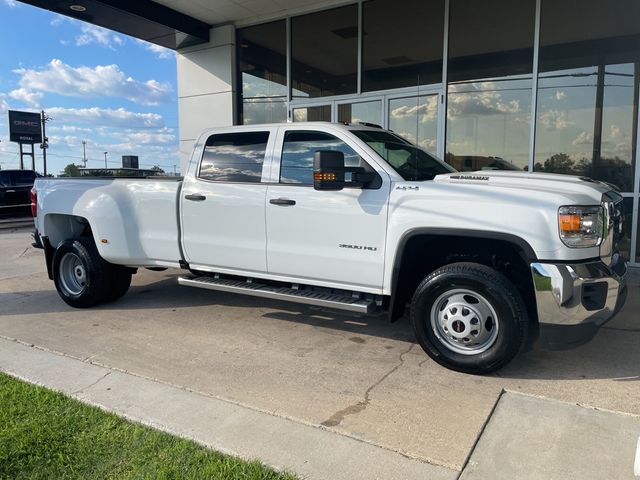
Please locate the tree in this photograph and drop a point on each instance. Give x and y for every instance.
(157, 170)
(559, 163)
(72, 170)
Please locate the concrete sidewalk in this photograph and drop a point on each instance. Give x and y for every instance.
(532, 438)
(308, 451)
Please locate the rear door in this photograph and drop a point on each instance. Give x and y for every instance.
(22, 183)
(325, 237)
(223, 202)
(5, 186)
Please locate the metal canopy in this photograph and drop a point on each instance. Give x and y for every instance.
(143, 19)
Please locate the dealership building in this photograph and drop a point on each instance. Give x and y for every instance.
(535, 85)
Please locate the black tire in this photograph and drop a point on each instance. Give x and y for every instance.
(95, 286)
(121, 281)
(495, 291)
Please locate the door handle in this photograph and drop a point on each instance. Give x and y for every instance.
(283, 202)
(10, 191)
(195, 197)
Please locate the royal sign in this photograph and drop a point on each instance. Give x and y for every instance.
(24, 127)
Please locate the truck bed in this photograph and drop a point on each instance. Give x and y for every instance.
(134, 221)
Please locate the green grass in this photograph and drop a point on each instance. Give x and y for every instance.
(46, 435)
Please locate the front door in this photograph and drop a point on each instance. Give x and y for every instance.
(223, 203)
(324, 237)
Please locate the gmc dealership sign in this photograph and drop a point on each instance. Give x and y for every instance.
(24, 127)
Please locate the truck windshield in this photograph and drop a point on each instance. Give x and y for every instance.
(411, 162)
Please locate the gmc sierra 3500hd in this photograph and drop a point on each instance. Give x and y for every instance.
(353, 217)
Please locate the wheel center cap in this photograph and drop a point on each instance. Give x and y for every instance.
(457, 326)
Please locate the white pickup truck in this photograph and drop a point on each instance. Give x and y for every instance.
(353, 217)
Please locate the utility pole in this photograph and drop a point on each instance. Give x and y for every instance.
(84, 154)
(105, 160)
(174, 171)
(45, 141)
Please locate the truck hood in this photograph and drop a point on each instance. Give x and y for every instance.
(569, 186)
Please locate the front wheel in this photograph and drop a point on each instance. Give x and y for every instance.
(469, 317)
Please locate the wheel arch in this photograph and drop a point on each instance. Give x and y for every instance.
(407, 273)
(59, 227)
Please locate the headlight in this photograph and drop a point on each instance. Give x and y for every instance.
(581, 226)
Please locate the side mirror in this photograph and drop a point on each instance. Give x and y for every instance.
(328, 170)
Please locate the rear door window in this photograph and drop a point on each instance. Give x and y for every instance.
(24, 178)
(234, 157)
(5, 181)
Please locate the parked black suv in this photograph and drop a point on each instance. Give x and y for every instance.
(15, 186)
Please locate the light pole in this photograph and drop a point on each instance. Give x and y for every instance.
(105, 160)
(84, 154)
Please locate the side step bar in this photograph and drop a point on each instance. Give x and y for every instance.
(309, 297)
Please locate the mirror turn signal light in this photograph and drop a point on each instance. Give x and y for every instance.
(324, 177)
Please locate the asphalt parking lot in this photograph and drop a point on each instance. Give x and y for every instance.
(359, 376)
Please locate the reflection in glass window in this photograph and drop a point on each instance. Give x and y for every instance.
(416, 119)
(296, 164)
(324, 50)
(234, 157)
(361, 112)
(489, 93)
(321, 113)
(262, 63)
(402, 45)
(587, 87)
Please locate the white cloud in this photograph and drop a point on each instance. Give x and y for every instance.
(159, 51)
(151, 138)
(120, 117)
(69, 129)
(29, 97)
(98, 35)
(583, 138)
(11, 3)
(103, 80)
(4, 106)
(560, 95)
(554, 120)
(479, 98)
(428, 111)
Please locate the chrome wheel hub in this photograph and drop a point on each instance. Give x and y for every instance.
(464, 321)
(73, 275)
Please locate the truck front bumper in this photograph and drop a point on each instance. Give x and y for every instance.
(575, 300)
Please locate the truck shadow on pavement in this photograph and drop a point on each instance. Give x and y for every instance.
(613, 354)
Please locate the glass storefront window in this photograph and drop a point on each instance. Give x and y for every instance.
(416, 119)
(320, 113)
(324, 50)
(587, 90)
(402, 43)
(262, 65)
(627, 223)
(489, 93)
(360, 112)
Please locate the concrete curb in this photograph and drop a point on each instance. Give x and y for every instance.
(307, 451)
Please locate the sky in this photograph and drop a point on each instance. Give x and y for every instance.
(113, 91)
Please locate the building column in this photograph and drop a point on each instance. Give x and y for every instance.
(206, 88)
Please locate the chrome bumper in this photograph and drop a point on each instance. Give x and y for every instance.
(574, 300)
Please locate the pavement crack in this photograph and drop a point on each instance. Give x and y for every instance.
(92, 385)
(337, 418)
